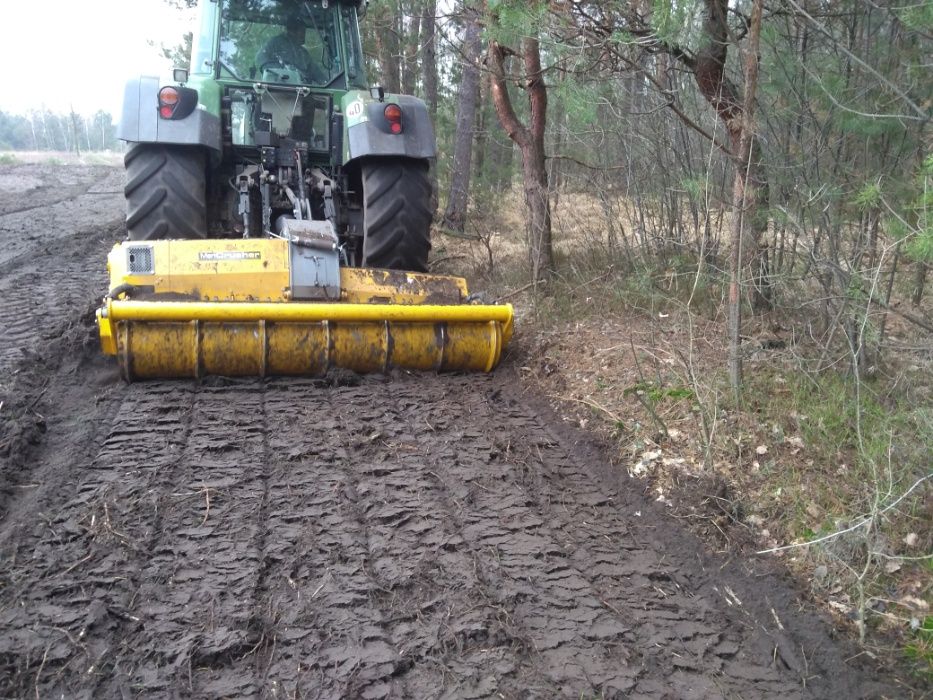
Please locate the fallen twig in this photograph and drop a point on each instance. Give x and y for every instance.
(75, 565)
(595, 279)
(434, 263)
(207, 505)
(859, 524)
(519, 290)
(591, 403)
(45, 656)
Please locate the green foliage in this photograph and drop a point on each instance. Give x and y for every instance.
(861, 125)
(516, 19)
(180, 54)
(697, 187)
(621, 37)
(580, 101)
(15, 132)
(657, 393)
(671, 20)
(808, 534)
(869, 197)
(8, 159)
(832, 414)
(921, 246)
(919, 649)
(916, 16)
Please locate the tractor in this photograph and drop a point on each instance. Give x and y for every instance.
(279, 212)
(275, 121)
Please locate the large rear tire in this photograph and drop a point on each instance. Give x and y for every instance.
(165, 192)
(397, 213)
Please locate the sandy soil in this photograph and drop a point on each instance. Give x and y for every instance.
(373, 537)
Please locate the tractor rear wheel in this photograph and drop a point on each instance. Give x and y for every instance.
(165, 192)
(397, 213)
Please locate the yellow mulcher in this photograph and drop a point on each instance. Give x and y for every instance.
(279, 212)
(263, 307)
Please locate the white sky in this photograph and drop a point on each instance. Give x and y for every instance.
(59, 53)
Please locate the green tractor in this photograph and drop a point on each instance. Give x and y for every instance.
(275, 123)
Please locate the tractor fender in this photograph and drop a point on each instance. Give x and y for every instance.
(369, 134)
(141, 123)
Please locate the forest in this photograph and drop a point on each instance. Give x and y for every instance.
(45, 130)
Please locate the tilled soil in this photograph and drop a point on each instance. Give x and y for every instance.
(366, 537)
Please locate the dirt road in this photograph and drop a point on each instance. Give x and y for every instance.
(410, 536)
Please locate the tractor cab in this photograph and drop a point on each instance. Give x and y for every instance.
(312, 43)
(281, 64)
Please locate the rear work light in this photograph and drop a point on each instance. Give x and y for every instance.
(393, 114)
(177, 102)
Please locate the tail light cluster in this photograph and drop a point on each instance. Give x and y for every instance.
(393, 114)
(177, 102)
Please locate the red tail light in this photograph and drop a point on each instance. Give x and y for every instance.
(177, 102)
(393, 114)
(168, 100)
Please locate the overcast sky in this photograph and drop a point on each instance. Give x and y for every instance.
(59, 53)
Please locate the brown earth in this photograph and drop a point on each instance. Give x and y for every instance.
(405, 536)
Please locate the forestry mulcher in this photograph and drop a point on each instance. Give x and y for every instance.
(279, 212)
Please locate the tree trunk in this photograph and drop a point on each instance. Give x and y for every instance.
(429, 57)
(530, 140)
(500, 151)
(710, 75)
(537, 199)
(386, 20)
(412, 51)
(457, 201)
(744, 200)
(74, 128)
(482, 133)
(555, 176)
(920, 279)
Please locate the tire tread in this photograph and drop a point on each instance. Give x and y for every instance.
(397, 215)
(165, 192)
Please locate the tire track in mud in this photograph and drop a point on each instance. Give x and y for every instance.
(53, 257)
(53, 271)
(602, 610)
(74, 551)
(396, 565)
(78, 205)
(196, 588)
(363, 556)
(325, 636)
(552, 569)
(41, 299)
(422, 537)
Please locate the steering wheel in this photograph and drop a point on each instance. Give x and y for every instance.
(314, 74)
(272, 64)
(279, 72)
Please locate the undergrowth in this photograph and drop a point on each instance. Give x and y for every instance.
(856, 493)
(919, 649)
